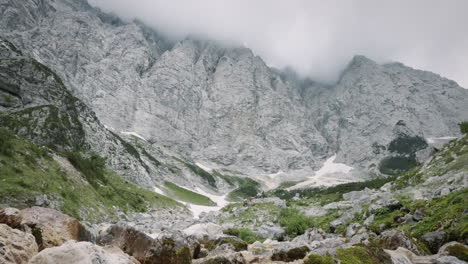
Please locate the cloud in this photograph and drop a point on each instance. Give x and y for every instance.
(318, 38)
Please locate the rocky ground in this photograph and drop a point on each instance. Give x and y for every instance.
(416, 217)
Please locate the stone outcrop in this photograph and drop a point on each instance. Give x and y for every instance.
(224, 105)
(49, 227)
(16, 247)
(82, 253)
(164, 249)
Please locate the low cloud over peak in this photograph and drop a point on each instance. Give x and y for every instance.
(318, 38)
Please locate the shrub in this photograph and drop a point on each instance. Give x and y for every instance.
(294, 222)
(244, 234)
(397, 164)
(407, 144)
(92, 167)
(463, 127)
(6, 145)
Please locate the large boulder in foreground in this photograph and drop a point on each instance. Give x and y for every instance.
(82, 253)
(165, 249)
(224, 254)
(205, 231)
(50, 227)
(16, 246)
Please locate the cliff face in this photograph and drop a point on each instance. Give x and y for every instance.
(224, 105)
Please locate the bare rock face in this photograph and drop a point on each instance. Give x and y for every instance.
(82, 253)
(16, 247)
(10, 217)
(224, 105)
(50, 228)
(162, 250)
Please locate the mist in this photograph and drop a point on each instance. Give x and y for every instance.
(318, 38)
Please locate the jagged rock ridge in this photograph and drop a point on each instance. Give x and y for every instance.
(224, 105)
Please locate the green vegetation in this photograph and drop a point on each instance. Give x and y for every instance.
(291, 254)
(30, 171)
(93, 168)
(248, 215)
(247, 188)
(459, 251)
(199, 171)
(397, 164)
(407, 144)
(244, 234)
(331, 194)
(317, 259)
(238, 245)
(444, 213)
(6, 145)
(187, 195)
(295, 223)
(463, 127)
(359, 255)
(46, 125)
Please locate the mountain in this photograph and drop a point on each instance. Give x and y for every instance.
(118, 145)
(223, 106)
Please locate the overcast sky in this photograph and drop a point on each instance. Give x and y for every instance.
(318, 38)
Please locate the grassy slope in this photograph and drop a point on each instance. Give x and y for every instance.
(445, 213)
(187, 195)
(27, 170)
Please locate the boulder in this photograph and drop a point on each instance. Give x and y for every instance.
(434, 240)
(11, 217)
(269, 230)
(393, 239)
(16, 246)
(50, 227)
(418, 215)
(369, 220)
(314, 211)
(454, 249)
(206, 231)
(82, 253)
(222, 255)
(274, 200)
(166, 248)
(288, 254)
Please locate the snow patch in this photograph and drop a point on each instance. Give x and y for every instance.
(274, 175)
(330, 174)
(433, 140)
(132, 134)
(203, 167)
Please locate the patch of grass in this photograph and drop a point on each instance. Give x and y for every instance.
(334, 193)
(317, 259)
(199, 171)
(93, 168)
(243, 233)
(444, 213)
(463, 127)
(247, 188)
(296, 223)
(249, 215)
(459, 251)
(358, 255)
(187, 195)
(30, 171)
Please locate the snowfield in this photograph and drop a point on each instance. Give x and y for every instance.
(132, 134)
(330, 174)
